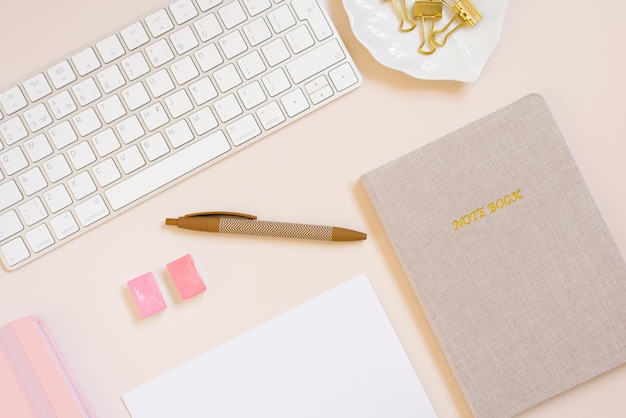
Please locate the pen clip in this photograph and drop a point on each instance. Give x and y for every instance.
(222, 214)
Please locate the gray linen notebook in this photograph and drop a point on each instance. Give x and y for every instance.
(509, 257)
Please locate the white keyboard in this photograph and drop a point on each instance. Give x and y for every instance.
(131, 114)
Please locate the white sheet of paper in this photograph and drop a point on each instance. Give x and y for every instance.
(335, 356)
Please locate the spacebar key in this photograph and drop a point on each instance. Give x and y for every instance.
(168, 170)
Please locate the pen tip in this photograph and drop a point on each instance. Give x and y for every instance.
(171, 221)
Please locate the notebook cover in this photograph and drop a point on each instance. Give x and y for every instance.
(509, 257)
(34, 380)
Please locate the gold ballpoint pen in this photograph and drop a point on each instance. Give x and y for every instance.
(241, 223)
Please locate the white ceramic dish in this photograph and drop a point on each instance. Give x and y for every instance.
(375, 23)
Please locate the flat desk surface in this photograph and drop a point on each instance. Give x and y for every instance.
(309, 172)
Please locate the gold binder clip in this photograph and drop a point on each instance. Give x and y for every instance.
(405, 17)
(466, 13)
(428, 9)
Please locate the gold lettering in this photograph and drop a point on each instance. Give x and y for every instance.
(469, 218)
(491, 207)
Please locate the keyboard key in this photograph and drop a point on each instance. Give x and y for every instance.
(160, 83)
(310, 11)
(110, 48)
(281, 19)
(91, 210)
(203, 121)
(130, 129)
(81, 185)
(13, 130)
(154, 116)
(232, 44)
(61, 74)
(57, 168)
(32, 181)
(106, 172)
(62, 104)
(32, 211)
(251, 65)
(208, 4)
(15, 251)
(81, 155)
(134, 36)
(232, 14)
(13, 100)
(275, 52)
(105, 142)
(228, 108)
(243, 130)
(13, 160)
(111, 79)
(271, 115)
(208, 27)
(37, 87)
(135, 96)
(276, 82)
(86, 61)
(343, 76)
(178, 104)
(64, 225)
(208, 57)
(37, 117)
(299, 39)
(183, 40)
(86, 91)
(179, 133)
(10, 224)
(159, 23)
(184, 70)
(251, 95)
(38, 148)
(155, 146)
(257, 31)
(87, 122)
(319, 89)
(227, 77)
(39, 238)
(202, 90)
(294, 102)
(167, 170)
(57, 198)
(316, 60)
(111, 109)
(62, 135)
(255, 7)
(159, 53)
(183, 10)
(135, 66)
(130, 159)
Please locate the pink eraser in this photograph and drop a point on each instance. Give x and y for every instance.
(185, 277)
(147, 295)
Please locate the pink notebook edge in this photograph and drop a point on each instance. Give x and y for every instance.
(57, 357)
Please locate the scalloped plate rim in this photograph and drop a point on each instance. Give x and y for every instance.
(462, 40)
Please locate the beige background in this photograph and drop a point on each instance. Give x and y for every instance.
(308, 172)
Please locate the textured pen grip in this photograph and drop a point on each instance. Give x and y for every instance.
(275, 229)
